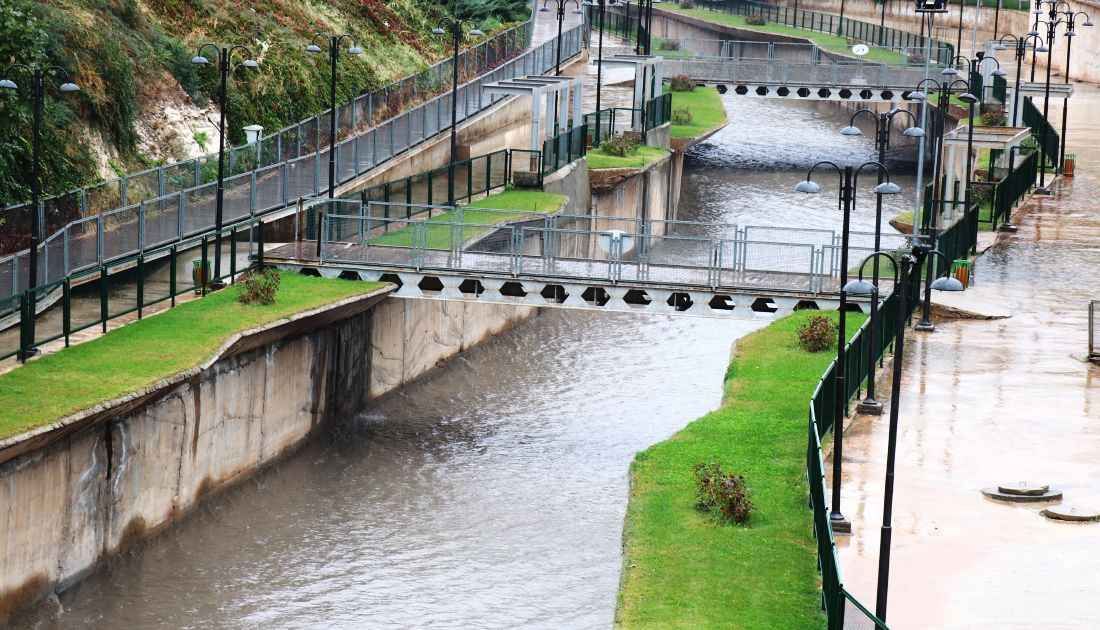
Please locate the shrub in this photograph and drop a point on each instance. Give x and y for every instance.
(621, 145)
(259, 286)
(668, 44)
(681, 83)
(681, 116)
(725, 495)
(994, 119)
(817, 334)
(755, 20)
(687, 4)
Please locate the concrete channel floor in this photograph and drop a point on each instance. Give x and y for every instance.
(992, 402)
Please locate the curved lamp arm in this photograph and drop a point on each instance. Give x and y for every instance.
(893, 262)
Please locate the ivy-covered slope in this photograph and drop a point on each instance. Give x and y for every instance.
(132, 60)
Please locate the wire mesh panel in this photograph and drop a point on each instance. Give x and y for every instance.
(9, 338)
(269, 188)
(199, 210)
(121, 290)
(121, 232)
(237, 198)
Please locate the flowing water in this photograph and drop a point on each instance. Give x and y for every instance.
(491, 493)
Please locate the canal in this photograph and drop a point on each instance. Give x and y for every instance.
(490, 493)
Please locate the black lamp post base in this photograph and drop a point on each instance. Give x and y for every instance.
(1007, 227)
(840, 524)
(216, 285)
(924, 326)
(27, 354)
(869, 407)
(1043, 191)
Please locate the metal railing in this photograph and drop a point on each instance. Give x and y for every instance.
(190, 211)
(130, 285)
(855, 74)
(885, 37)
(1006, 193)
(1041, 130)
(564, 149)
(467, 178)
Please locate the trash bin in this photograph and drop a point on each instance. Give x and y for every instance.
(1068, 165)
(960, 269)
(200, 274)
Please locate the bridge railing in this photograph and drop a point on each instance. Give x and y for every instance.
(854, 74)
(1041, 130)
(190, 210)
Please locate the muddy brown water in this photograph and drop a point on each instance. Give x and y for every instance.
(491, 493)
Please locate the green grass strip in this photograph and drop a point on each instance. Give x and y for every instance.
(831, 43)
(523, 202)
(641, 157)
(681, 569)
(139, 354)
(707, 112)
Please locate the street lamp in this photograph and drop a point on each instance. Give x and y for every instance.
(883, 123)
(456, 33)
(902, 282)
(38, 75)
(602, 5)
(1071, 24)
(1021, 44)
(224, 57)
(944, 90)
(334, 46)
(849, 179)
(561, 18)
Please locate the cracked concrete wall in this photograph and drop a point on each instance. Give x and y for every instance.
(88, 495)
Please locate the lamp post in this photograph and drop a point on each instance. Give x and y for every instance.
(944, 90)
(1052, 22)
(883, 123)
(38, 75)
(335, 43)
(849, 179)
(902, 283)
(1021, 44)
(456, 33)
(561, 19)
(1071, 24)
(974, 65)
(882, 25)
(224, 57)
(840, 22)
(602, 6)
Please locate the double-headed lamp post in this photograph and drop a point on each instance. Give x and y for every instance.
(849, 180)
(902, 282)
(455, 24)
(560, 4)
(883, 123)
(38, 75)
(1071, 32)
(223, 55)
(1055, 18)
(335, 45)
(602, 8)
(1021, 45)
(944, 90)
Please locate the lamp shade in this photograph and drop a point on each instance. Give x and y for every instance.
(887, 188)
(949, 72)
(913, 132)
(355, 50)
(968, 98)
(851, 130)
(859, 287)
(313, 48)
(477, 32)
(438, 31)
(807, 186)
(948, 283)
(69, 87)
(917, 95)
(8, 84)
(250, 63)
(199, 60)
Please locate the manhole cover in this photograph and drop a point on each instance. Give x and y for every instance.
(998, 493)
(1024, 488)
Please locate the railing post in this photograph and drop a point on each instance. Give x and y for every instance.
(172, 268)
(103, 297)
(140, 285)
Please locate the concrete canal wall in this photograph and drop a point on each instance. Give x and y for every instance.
(97, 482)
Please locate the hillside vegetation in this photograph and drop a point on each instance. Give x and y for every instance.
(132, 60)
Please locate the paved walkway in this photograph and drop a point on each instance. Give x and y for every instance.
(985, 402)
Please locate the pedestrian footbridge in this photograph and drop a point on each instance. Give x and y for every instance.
(574, 261)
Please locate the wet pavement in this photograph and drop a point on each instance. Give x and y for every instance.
(992, 402)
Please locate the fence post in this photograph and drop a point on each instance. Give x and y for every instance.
(260, 244)
(66, 310)
(140, 285)
(103, 297)
(172, 268)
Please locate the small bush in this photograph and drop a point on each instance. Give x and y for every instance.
(755, 20)
(681, 116)
(621, 145)
(681, 83)
(259, 287)
(817, 334)
(668, 44)
(723, 494)
(687, 4)
(994, 119)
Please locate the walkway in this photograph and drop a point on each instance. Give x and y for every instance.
(986, 402)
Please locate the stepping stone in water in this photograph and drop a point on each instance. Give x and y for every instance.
(1022, 492)
(1024, 488)
(1073, 512)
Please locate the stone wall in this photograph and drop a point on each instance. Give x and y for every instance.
(90, 486)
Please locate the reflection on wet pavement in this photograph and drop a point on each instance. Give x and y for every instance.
(987, 402)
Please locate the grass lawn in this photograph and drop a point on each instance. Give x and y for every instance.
(641, 157)
(144, 352)
(831, 43)
(683, 570)
(707, 112)
(477, 217)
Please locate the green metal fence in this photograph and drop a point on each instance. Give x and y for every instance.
(1000, 88)
(130, 286)
(564, 148)
(1042, 130)
(466, 179)
(1007, 192)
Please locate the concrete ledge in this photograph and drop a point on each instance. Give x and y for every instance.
(293, 326)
